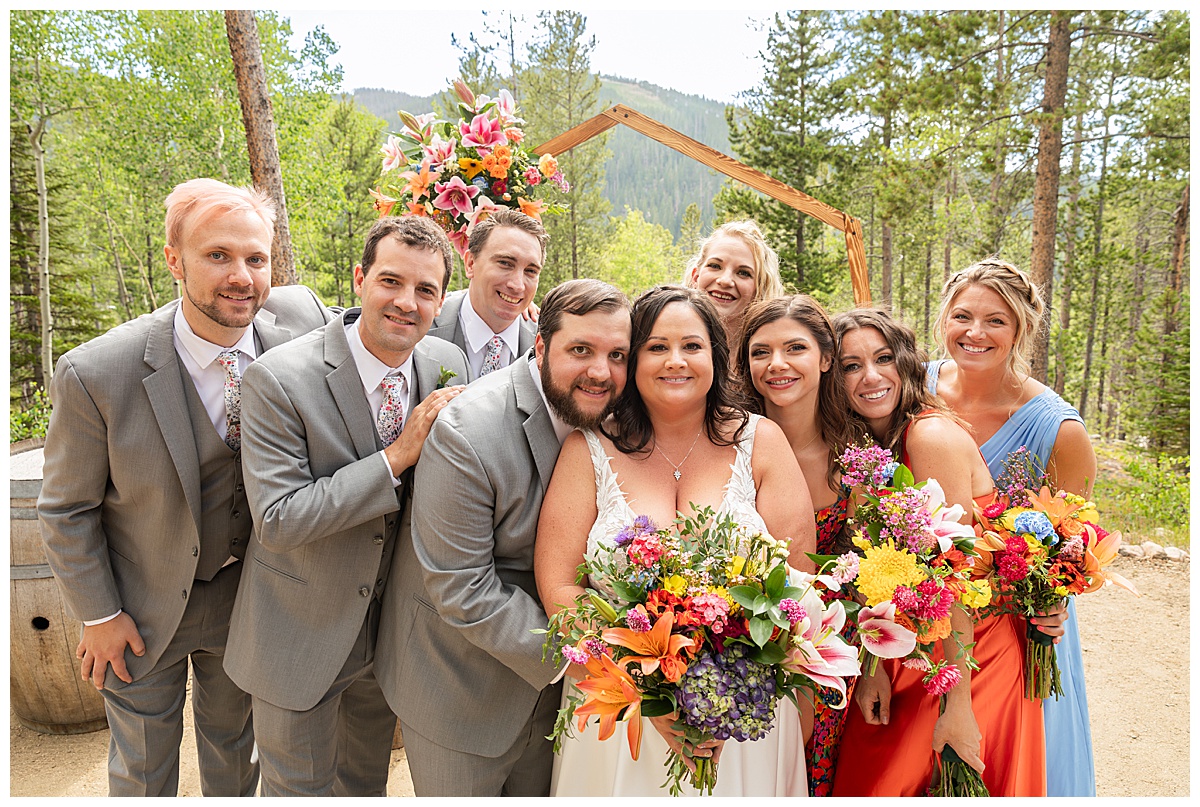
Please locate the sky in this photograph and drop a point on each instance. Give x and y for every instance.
(691, 48)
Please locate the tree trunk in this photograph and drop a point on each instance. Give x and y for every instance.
(951, 189)
(260, 134)
(1069, 261)
(1045, 190)
(35, 133)
(1178, 248)
(885, 228)
(998, 172)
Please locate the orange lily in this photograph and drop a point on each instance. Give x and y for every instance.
(658, 647)
(1100, 554)
(382, 203)
(610, 689)
(1056, 508)
(418, 182)
(532, 207)
(417, 209)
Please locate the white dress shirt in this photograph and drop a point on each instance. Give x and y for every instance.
(372, 372)
(478, 333)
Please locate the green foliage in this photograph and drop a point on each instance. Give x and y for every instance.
(1145, 496)
(637, 255)
(31, 421)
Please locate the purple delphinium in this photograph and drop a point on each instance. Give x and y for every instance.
(728, 695)
(642, 525)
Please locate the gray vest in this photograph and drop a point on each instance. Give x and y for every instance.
(224, 514)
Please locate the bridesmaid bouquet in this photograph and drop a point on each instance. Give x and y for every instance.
(916, 562)
(459, 172)
(704, 620)
(1038, 548)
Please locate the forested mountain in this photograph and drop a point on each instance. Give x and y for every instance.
(641, 173)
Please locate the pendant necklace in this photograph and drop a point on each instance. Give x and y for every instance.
(800, 450)
(678, 473)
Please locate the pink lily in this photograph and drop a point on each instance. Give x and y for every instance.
(484, 207)
(880, 635)
(440, 151)
(506, 108)
(455, 195)
(393, 155)
(459, 239)
(483, 133)
(816, 650)
(946, 524)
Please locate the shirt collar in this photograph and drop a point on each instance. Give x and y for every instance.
(370, 369)
(204, 352)
(561, 429)
(479, 333)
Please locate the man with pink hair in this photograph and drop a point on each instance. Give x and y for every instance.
(143, 508)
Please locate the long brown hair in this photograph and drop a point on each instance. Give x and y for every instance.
(723, 405)
(836, 429)
(916, 400)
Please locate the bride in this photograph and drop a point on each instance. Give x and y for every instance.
(676, 439)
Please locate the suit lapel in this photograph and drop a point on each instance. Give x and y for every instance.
(425, 376)
(525, 340)
(539, 431)
(269, 333)
(346, 386)
(164, 388)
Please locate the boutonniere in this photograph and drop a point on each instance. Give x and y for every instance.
(444, 377)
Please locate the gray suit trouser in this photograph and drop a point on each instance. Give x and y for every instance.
(146, 717)
(523, 770)
(340, 747)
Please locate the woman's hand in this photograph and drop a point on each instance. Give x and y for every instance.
(1053, 621)
(957, 727)
(873, 694)
(676, 741)
(531, 312)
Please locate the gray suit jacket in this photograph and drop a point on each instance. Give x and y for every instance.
(323, 504)
(447, 326)
(120, 502)
(455, 655)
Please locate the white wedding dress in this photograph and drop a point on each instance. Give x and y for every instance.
(772, 766)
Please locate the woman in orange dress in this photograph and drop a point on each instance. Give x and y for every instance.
(890, 740)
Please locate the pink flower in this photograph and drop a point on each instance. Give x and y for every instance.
(460, 240)
(929, 601)
(1013, 568)
(645, 550)
(941, 679)
(484, 207)
(514, 135)
(793, 610)
(944, 520)
(637, 620)
(532, 175)
(994, 510)
(440, 151)
(919, 663)
(393, 155)
(561, 181)
(483, 133)
(455, 195)
(575, 655)
(711, 609)
(506, 107)
(816, 650)
(880, 635)
(422, 126)
(845, 568)
(1016, 545)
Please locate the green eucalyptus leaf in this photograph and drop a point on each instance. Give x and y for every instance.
(744, 595)
(903, 477)
(761, 630)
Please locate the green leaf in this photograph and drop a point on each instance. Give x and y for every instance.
(606, 610)
(762, 604)
(654, 707)
(779, 619)
(770, 653)
(776, 580)
(627, 591)
(791, 592)
(821, 560)
(903, 477)
(761, 630)
(744, 595)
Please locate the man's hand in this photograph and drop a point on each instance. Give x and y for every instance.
(105, 644)
(405, 452)
(873, 694)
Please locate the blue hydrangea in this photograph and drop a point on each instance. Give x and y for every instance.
(729, 695)
(1033, 522)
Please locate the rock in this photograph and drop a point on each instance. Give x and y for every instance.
(1175, 553)
(1151, 550)
(1160, 532)
(1130, 551)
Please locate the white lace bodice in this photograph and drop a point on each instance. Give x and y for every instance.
(614, 512)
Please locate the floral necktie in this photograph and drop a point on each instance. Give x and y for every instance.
(233, 398)
(491, 359)
(391, 411)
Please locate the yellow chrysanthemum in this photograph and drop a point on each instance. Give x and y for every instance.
(675, 584)
(884, 568)
(976, 594)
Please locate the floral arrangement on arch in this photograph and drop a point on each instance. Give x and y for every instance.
(705, 620)
(459, 172)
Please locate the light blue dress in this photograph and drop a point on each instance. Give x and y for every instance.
(1070, 770)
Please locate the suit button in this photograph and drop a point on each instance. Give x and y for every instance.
(378, 539)
(237, 513)
(195, 551)
(240, 488)
(363, 592)
(185, 593)
(235, 541)
(379, 583)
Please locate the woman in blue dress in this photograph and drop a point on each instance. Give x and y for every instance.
(989, 315)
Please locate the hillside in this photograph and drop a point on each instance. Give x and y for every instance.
(641, 173)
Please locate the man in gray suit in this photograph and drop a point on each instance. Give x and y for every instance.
(334, 422)
(457, 659)
(143, 510)
(503, 261)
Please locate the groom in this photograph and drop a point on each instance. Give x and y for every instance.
(456, 657)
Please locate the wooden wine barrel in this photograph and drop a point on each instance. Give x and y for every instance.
(47, 693)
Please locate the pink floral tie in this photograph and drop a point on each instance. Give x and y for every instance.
(233, 398)
(391, 411)
(491, 359)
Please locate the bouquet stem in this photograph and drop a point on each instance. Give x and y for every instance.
(951, 776)
(1042, 678)
(703, 780)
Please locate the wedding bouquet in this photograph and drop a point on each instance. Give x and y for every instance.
(916, 562)
(459, 172)
(1039, 548)
(704, 620)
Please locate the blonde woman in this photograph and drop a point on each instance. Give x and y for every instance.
(735, 267)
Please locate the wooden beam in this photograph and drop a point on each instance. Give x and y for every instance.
(576, 135)
(857, 257)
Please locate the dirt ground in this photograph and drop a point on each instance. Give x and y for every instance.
(1136, 659)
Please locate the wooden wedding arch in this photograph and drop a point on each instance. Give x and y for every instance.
(785, 193)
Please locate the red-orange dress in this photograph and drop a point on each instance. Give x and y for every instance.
(897, 759)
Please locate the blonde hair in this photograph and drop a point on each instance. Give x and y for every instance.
(195, 199)
(767, 282)
(1018, 292)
